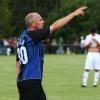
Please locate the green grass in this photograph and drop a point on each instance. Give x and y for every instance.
(62, 78)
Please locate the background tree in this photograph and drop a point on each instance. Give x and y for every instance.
(5, 19)
(13, 12)
(20, 8)
(80, 25)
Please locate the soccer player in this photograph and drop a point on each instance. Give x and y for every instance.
(92, 43)
(29, 59)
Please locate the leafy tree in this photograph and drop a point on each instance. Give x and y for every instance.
(5, 19)
(13, 12)
(20, 8)
(80, 25)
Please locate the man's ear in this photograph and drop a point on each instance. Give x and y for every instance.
(34, 25)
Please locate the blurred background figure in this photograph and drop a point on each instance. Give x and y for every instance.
(82, 41)
(60, 49)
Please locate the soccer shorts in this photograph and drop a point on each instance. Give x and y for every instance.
(93, 61)
(31, 90)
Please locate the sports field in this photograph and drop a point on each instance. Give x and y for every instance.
(61, 81)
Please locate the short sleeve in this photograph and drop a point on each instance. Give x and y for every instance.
(39, 34)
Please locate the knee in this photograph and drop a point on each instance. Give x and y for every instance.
(96, 70)
(87, 70)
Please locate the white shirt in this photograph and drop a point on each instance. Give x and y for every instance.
(89, 39)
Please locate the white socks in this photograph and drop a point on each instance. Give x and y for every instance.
(85, 78)
(86, 75)
(96, 78)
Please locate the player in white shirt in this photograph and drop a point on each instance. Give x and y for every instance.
(92, 44)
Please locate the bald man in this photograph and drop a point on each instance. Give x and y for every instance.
(29, 59)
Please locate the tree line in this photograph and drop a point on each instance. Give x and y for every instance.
(13, 12)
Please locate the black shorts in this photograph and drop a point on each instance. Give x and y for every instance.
(31, 90)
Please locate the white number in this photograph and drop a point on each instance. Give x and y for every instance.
(22, 54)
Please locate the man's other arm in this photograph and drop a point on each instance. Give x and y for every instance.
(17, 68)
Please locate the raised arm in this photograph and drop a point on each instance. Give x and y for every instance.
(63, 21)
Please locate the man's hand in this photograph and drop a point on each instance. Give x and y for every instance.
(63, 21)
(93, 39)
(80, 11)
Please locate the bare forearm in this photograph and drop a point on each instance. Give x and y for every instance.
(98, 44)
(61, 22)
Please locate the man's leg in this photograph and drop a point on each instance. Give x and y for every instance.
(96, 69)
(28, 90)
(96, 78)
(85, 78)
(42, 95)
(88, 67)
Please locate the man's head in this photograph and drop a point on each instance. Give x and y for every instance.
(93, 30)
(34, 21)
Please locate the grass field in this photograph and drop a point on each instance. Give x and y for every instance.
(61, 81)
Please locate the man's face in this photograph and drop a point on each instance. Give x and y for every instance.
(36, 21)
(39, 22)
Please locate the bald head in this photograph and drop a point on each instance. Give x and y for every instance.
(31, 18)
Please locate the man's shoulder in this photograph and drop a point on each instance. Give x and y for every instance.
(88, 36)
(97, 34)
